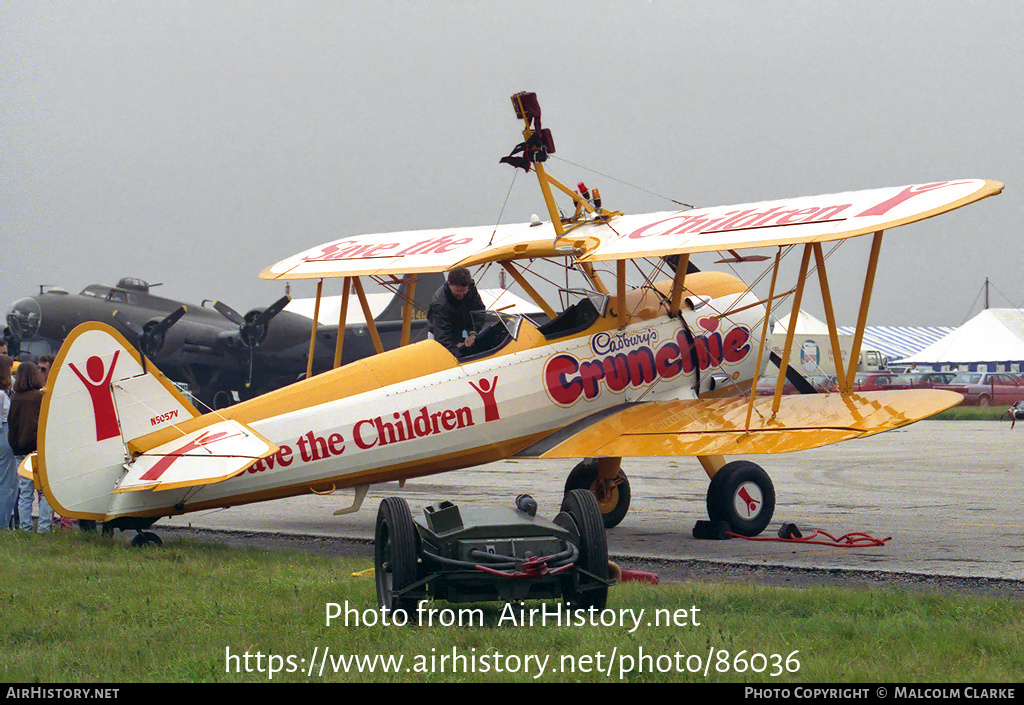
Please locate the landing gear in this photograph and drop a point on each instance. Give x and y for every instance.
(146, 538)
(214, 396)
(395, 557)
(612, 495)
(742, 495)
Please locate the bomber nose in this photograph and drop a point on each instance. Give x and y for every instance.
(24, 318)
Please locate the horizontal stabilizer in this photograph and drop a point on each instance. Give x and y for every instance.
(212, 454)
(718, 426)
(27, 467)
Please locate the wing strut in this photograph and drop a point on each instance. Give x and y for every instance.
(342, 318)
(528, 288)
(764, 334)
(316, 324)
(677, 287)
(862, 318)
(410, 294)
(367, 314)
(620, 291)
(791, 328)
(830, 317)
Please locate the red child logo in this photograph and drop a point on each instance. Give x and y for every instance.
(751, 503)
(905, 195)
(161, 466)
(101, 395)
(486, 391)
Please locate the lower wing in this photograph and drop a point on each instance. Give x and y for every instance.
(719, 426)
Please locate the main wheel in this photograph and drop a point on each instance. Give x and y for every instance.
(581, 506)
(742, 495)
(395, 554)
(612, 495)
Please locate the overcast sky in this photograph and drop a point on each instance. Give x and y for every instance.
(196, 143)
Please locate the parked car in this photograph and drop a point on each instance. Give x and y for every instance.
(824, 383)
(922, 380)
(766, 386)
(987, 388)
(872, 381)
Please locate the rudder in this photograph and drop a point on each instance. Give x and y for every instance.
(98, 398)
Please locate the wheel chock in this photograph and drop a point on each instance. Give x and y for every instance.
(714, 530)
(624, 575)
(789, 531)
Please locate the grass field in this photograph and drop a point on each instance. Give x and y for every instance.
(973, 413)
(81, 608)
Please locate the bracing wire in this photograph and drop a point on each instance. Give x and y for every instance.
(625, 183)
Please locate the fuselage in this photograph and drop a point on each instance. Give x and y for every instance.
(418, 410)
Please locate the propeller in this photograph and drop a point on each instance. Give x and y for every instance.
(253, 327)
(24, 319)
(152, 336)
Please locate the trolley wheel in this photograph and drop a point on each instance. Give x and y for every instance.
(581, 506)
(395, 555)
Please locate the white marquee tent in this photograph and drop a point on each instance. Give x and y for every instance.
(992, 340)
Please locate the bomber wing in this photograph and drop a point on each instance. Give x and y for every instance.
(718, 426)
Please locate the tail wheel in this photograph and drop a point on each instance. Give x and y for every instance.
(395, 553)
(742, 495)
(612, 495)
(146, 538)
(581, 506)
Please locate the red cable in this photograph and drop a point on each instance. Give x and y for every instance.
(857, 539)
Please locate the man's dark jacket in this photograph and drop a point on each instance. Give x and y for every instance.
(448, 317)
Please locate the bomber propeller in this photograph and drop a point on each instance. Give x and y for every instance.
(152, 336)
(253, 327)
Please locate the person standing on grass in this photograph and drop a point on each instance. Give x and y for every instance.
(22, 427)
(8, 463)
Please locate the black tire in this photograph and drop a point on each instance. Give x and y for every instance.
(612, 497)
(146, 538)
(742, 495)
(581, 506)
(395, 554)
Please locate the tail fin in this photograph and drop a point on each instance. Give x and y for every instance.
(98, 399)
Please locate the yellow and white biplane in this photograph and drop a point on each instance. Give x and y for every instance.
(663, 367)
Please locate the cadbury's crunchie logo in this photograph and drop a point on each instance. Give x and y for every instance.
(568, 379)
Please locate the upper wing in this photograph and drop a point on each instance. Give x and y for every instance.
(718, 426)
(768, 223)
(407, 252)
(795, 220)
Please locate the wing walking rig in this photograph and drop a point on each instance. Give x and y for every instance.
(665, 368)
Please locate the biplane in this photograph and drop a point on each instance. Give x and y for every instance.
(645, 357)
